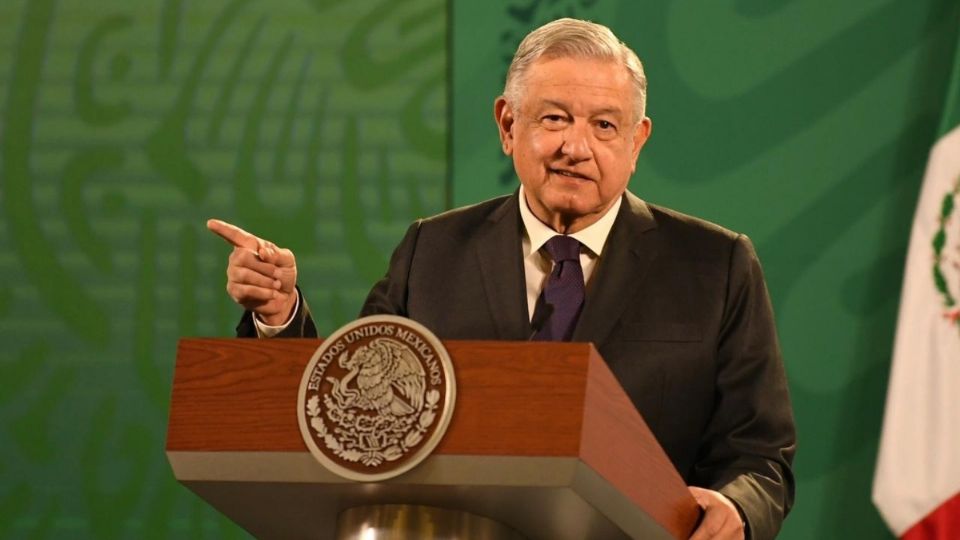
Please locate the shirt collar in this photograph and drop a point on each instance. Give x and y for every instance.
(593, 237)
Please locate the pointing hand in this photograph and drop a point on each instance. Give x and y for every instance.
(261, 277)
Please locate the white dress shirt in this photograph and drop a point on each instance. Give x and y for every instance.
(537, 265)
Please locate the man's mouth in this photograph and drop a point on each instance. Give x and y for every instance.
(569, 174)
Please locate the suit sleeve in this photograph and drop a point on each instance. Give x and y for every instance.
(301, 325)
(748, 447)
(389, 295)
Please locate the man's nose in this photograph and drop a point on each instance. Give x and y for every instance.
(576, 142)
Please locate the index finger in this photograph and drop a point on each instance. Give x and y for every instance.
(233, 234)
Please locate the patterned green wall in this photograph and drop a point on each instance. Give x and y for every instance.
(805, 124)
(123, 126)
(321, 124)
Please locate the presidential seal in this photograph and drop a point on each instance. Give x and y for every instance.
(946, 255)
(376, 398)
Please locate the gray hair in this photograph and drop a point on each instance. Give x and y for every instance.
(573, 38)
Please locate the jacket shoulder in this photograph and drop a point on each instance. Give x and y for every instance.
(685, 230)
(468, 219)
(668, 217)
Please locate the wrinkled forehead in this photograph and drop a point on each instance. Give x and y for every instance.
(577, 71)
(574, 80)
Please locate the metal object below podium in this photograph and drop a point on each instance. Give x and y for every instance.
(415, 522)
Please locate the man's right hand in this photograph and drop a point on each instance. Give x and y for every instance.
(261, 277)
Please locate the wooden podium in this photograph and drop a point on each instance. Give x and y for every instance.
(543, 439)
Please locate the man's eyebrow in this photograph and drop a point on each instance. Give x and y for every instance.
(617, 111)
(552, 103)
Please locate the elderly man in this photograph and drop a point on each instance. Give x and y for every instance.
(676, 306)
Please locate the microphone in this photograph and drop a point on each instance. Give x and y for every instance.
(540, 318)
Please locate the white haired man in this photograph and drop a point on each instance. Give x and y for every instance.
(676, 306)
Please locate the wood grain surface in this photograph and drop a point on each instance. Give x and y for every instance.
(513, 399)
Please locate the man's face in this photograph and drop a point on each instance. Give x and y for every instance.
(574, 139)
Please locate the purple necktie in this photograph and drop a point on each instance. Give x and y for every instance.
(564, 291)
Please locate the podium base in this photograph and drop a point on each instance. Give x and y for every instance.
(414, 522)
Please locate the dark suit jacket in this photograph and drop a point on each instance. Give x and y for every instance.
(677, 307)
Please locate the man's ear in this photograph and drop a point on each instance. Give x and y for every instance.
(640, 135)
(503, 116)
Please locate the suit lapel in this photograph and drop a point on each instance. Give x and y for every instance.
(501, 268)
(627, 255)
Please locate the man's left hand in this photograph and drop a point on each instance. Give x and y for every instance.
(721, 520)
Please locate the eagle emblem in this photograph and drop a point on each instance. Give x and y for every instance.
(389, 379)
(372, 395)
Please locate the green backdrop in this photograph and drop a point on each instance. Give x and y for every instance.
(319, 124)
(804, 124)
(324, 125)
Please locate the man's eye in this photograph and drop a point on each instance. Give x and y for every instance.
(605, 125)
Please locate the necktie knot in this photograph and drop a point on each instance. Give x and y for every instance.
(563, 248)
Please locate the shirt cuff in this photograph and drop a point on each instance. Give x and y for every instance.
(264, 330)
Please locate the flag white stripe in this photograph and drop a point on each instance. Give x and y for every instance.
(918, 467)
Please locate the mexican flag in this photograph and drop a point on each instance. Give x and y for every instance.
(916, 486)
